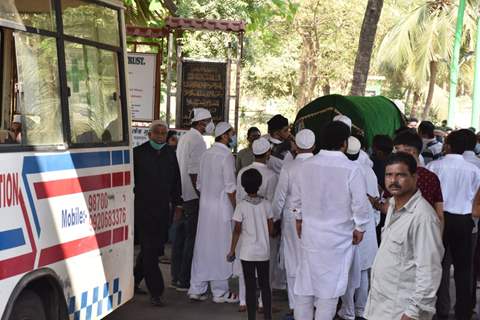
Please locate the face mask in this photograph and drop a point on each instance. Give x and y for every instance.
(232, 143)
(477, 148)
(157, 146)
(209, 128)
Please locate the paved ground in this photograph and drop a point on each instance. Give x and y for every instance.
(178, 306)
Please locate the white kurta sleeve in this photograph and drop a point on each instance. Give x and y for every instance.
(360, 203)
(296, 198)
(196, 151)
(428, 254)
(271, 186)
(237, 214)
(268, 208)
(240, 195)
(229, 179)
(280, 196)
(199, 177)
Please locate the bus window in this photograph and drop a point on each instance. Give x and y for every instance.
(90, 21)
(31, 109)
(38, 100)
(94, 102)
(37, 14)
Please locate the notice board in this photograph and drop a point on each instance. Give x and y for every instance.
(204, 85)
(141, 83)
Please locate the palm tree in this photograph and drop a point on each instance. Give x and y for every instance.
(365, 46)
(419, 46)
(148, 12)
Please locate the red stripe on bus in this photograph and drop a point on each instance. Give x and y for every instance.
(24, 263)
(127, 178)
(117, 179)
(74, 248)
(55, 188)
(17, 265)
(118, 235)
(126, 232)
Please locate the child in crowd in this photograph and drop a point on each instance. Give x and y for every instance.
(253, 223)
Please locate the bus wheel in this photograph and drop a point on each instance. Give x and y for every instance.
(28, 306)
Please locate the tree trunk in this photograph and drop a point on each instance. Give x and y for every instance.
(416, 100)
(326, 88)
(365, 47)
(431, 89)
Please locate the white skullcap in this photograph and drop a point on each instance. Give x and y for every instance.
(260, 146)
(343, 119)
(305, 139)
(354, 146)
(221, 128)
(201, 114)
(157, 123)
(17, 118)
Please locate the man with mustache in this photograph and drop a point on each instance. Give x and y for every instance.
(407, 270)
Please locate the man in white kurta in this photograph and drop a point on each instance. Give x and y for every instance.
(355, 299)
(261, 151)
(290, 243)
(328, 199)
(217, 184)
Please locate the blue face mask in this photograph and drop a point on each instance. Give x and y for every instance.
(157, 146)
(477, 148)
(233, 142)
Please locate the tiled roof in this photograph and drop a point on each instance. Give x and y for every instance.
(172, 23)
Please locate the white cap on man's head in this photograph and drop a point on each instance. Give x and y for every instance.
(354, 146)
(343, 119)
(201, 114)
(305, 139)
(17, 118)
(260, 146)
(221, 128)
(157, 123)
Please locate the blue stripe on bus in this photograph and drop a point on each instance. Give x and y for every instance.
(11, 239)
(117, 157)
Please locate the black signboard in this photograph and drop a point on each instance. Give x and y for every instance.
(203, 86)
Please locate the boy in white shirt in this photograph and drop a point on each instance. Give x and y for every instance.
(254, 222)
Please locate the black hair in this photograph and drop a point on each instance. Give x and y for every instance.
(383, 143)
(251, 130)
(456, 141)
(412, 119)
(251, 181)
(353, 157)
(405, 158)
(334, 135)
(171, 133)
(410, 139)
(469, 138)
(426, 128)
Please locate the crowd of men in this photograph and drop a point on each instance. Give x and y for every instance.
(349, 236)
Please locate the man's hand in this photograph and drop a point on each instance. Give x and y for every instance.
(357, 236)
(405, 317)
(178, 214)
(378, 205)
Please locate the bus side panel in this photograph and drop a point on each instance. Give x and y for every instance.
(80, 213)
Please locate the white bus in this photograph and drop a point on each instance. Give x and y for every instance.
(66, 195)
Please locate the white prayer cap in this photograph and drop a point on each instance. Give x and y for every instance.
(354, 146)
(200, 114)
(157, 123)
(221, 128)
(343, 119)
(305, 139)
(17, 118)
(260, 146)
